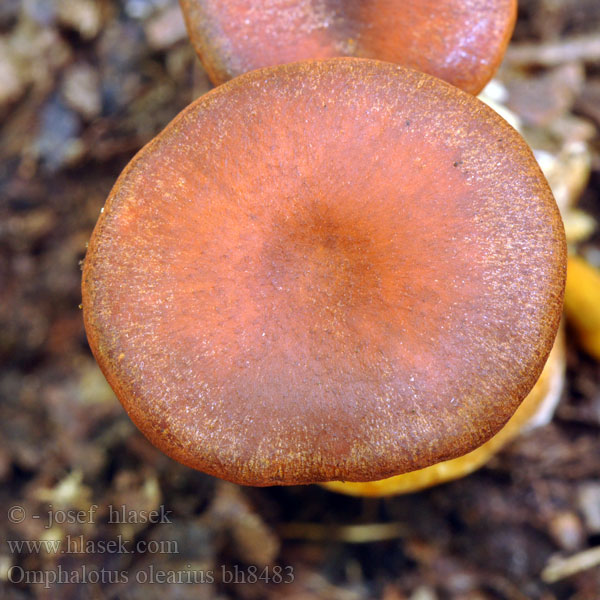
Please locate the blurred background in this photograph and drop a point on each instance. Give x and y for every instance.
(83, 85)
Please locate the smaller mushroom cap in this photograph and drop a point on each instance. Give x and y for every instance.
(332, 270)
(460, 41)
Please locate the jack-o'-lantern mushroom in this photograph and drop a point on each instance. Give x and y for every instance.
(536, 410)
(331, 270)
(460, 41)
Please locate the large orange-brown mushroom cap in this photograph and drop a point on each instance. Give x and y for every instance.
(460, 41)
(338, 269)
(534, 409)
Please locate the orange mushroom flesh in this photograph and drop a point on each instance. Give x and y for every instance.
(545, 392)
(460, 41)
(339, 269)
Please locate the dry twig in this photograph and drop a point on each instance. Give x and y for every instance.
(582, 48)
(352, 534)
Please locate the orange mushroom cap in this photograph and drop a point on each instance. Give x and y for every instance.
(337, 269)
(535, 407)
(460, 41)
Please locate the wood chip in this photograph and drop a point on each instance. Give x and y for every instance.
(561, 568)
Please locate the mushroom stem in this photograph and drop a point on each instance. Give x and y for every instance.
(582, 304)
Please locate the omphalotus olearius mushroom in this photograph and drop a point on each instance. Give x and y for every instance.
(328, 270)
(460, 41)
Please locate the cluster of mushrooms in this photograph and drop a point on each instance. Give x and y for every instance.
(338, 265)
